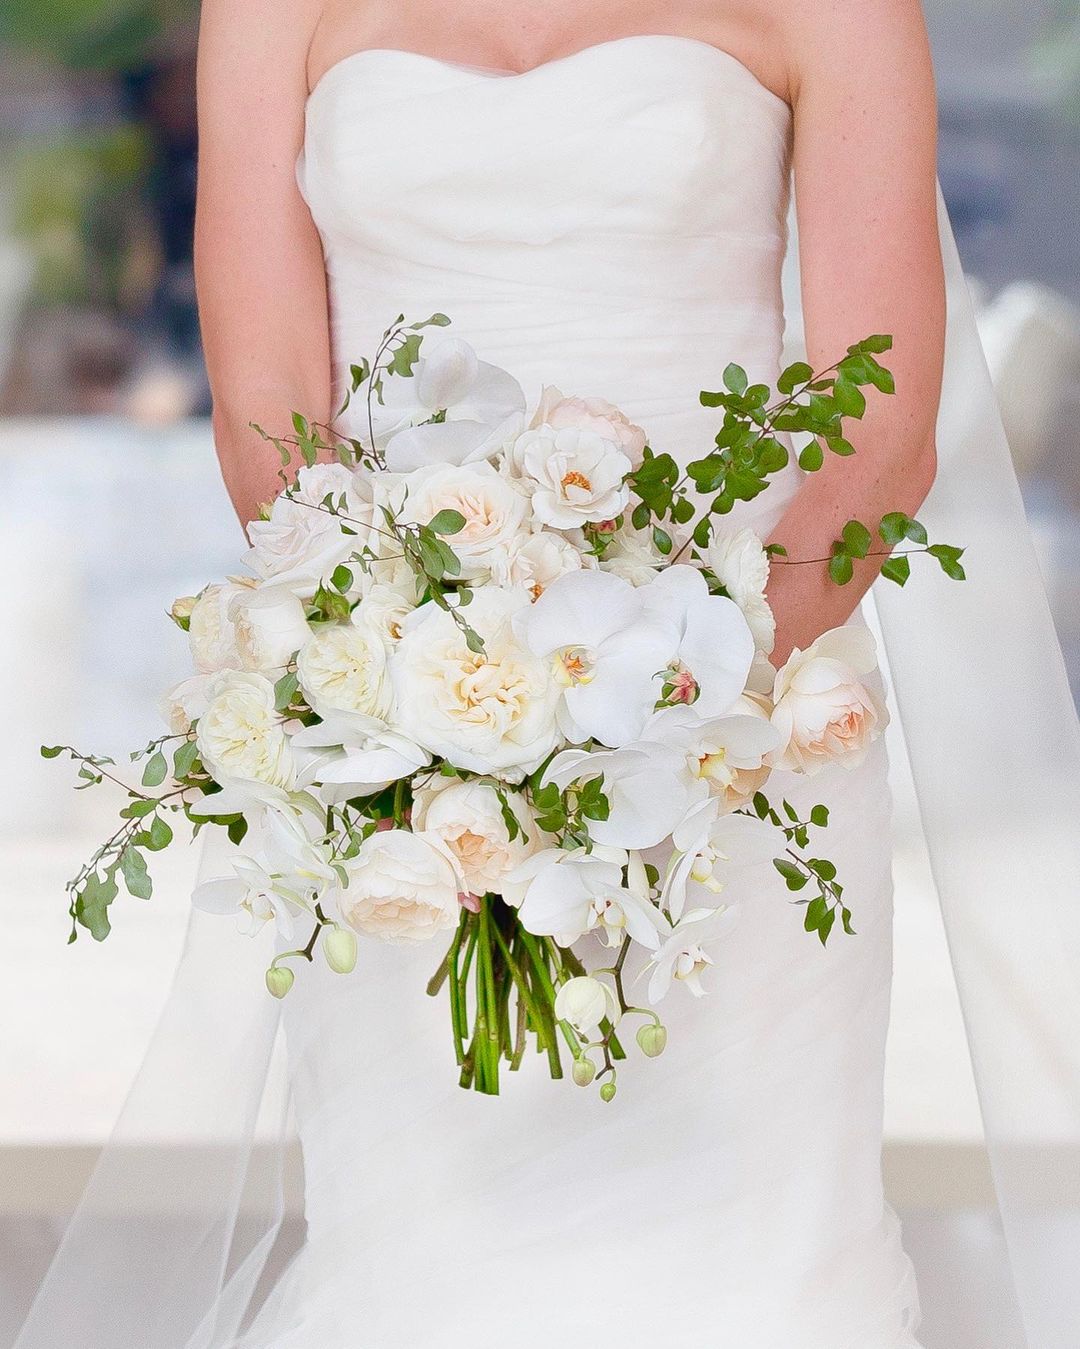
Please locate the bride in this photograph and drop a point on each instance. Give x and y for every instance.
(598, 196)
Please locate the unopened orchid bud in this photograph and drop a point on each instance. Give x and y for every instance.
(652, 1039)
(339, 947)
(584, 1071)
(607, 1091)
(279, 979)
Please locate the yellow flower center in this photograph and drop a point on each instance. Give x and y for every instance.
(576, 479)
(574, 665)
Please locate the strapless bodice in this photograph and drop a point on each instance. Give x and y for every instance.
(613, 222)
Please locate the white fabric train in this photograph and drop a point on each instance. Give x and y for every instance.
(616, 222)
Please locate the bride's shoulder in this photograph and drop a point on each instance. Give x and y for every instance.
(849, 44)
(244, 42)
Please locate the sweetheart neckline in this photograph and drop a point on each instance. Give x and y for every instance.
(514, 76)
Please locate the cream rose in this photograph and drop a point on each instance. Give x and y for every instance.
(301, 543)
(739, 561)
(591, 414)
(186, 702)
(343, 668)
(402, 887)
(240, 733)
(535, 560)
(384, 610)
(270, 627)
(633, 555)
(211, 634)
(468, 817)
(823, 709)
(494, 511)
(492, 712)
(576, 475)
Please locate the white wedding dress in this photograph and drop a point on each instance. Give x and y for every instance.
(614, 223)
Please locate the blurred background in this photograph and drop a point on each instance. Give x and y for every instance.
(103, 401)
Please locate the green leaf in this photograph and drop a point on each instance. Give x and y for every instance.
(51, 751)
(826, 926)
(839, 446)
(897, 569)
(819, 816)
(300, 425)
(136, 877)
(840, 568)
(662, 540)
(845, 915)
(92, 904)
(358, 374)
(342, 578)
(473, 642)
(447, 522)
(405, 357)
(640, 516)
(735, 378)
(795, 878)
(435, 321)
(816, 911)
(185, 758)
(161, 834)
(878, 343)
(949, 560)
(915, 532)
(156, 770)
(893, 528)
(761, 805)
(285, 690)
(849, 398)
(775, 550)
(798, 373)
(812, 457)
(856, 538)
(137, 810)
(823, 868)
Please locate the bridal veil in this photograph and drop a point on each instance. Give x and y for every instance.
(994, 746)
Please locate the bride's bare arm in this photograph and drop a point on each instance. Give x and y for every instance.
(865, 176)
(259, 267)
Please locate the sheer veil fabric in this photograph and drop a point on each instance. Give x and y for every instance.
(995, 753)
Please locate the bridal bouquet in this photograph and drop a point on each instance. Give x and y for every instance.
(501, 677)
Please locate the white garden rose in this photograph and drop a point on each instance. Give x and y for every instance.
(591, 414)
(825, 709)
(186, 702)
(494, 511)
(241, 736)
(468, 817)
(270, 627)
(739, 561)
(492, 712)
(633, 555)
(533, 561)
(343, 668)
(576, 475)
(384, 610)
(301, 543)
(211, 635)
(585, 1002)
(402, 887)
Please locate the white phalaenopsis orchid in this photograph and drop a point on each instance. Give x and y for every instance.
(604, 651)
(279, 874)
(727, 755)
(349, 756)
(714, 648)
(682, 956)
(585, 1002)
(479, 409)
(709, 848)
(646, 784)
(566, 894)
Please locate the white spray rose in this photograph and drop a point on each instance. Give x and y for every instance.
(343, 668)
(591, 414)
(212, 636)
(186, 702)
(576, 475)
(494, 511)
(301, 544)
(533, 561)
(468, 817)
(403, 887)
(492, 712)
(824, 709)
(270, 627)
(384, 610)
(739, 561)
(585, 1002)
(633, 555)
(240, 734)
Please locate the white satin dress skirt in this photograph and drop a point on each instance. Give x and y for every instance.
(613, 223)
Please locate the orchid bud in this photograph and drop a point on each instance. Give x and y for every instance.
(652, 1039)
(279, 979)
(339, 947)
(607, 1091)
(585, 1002)
(584, 1071)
